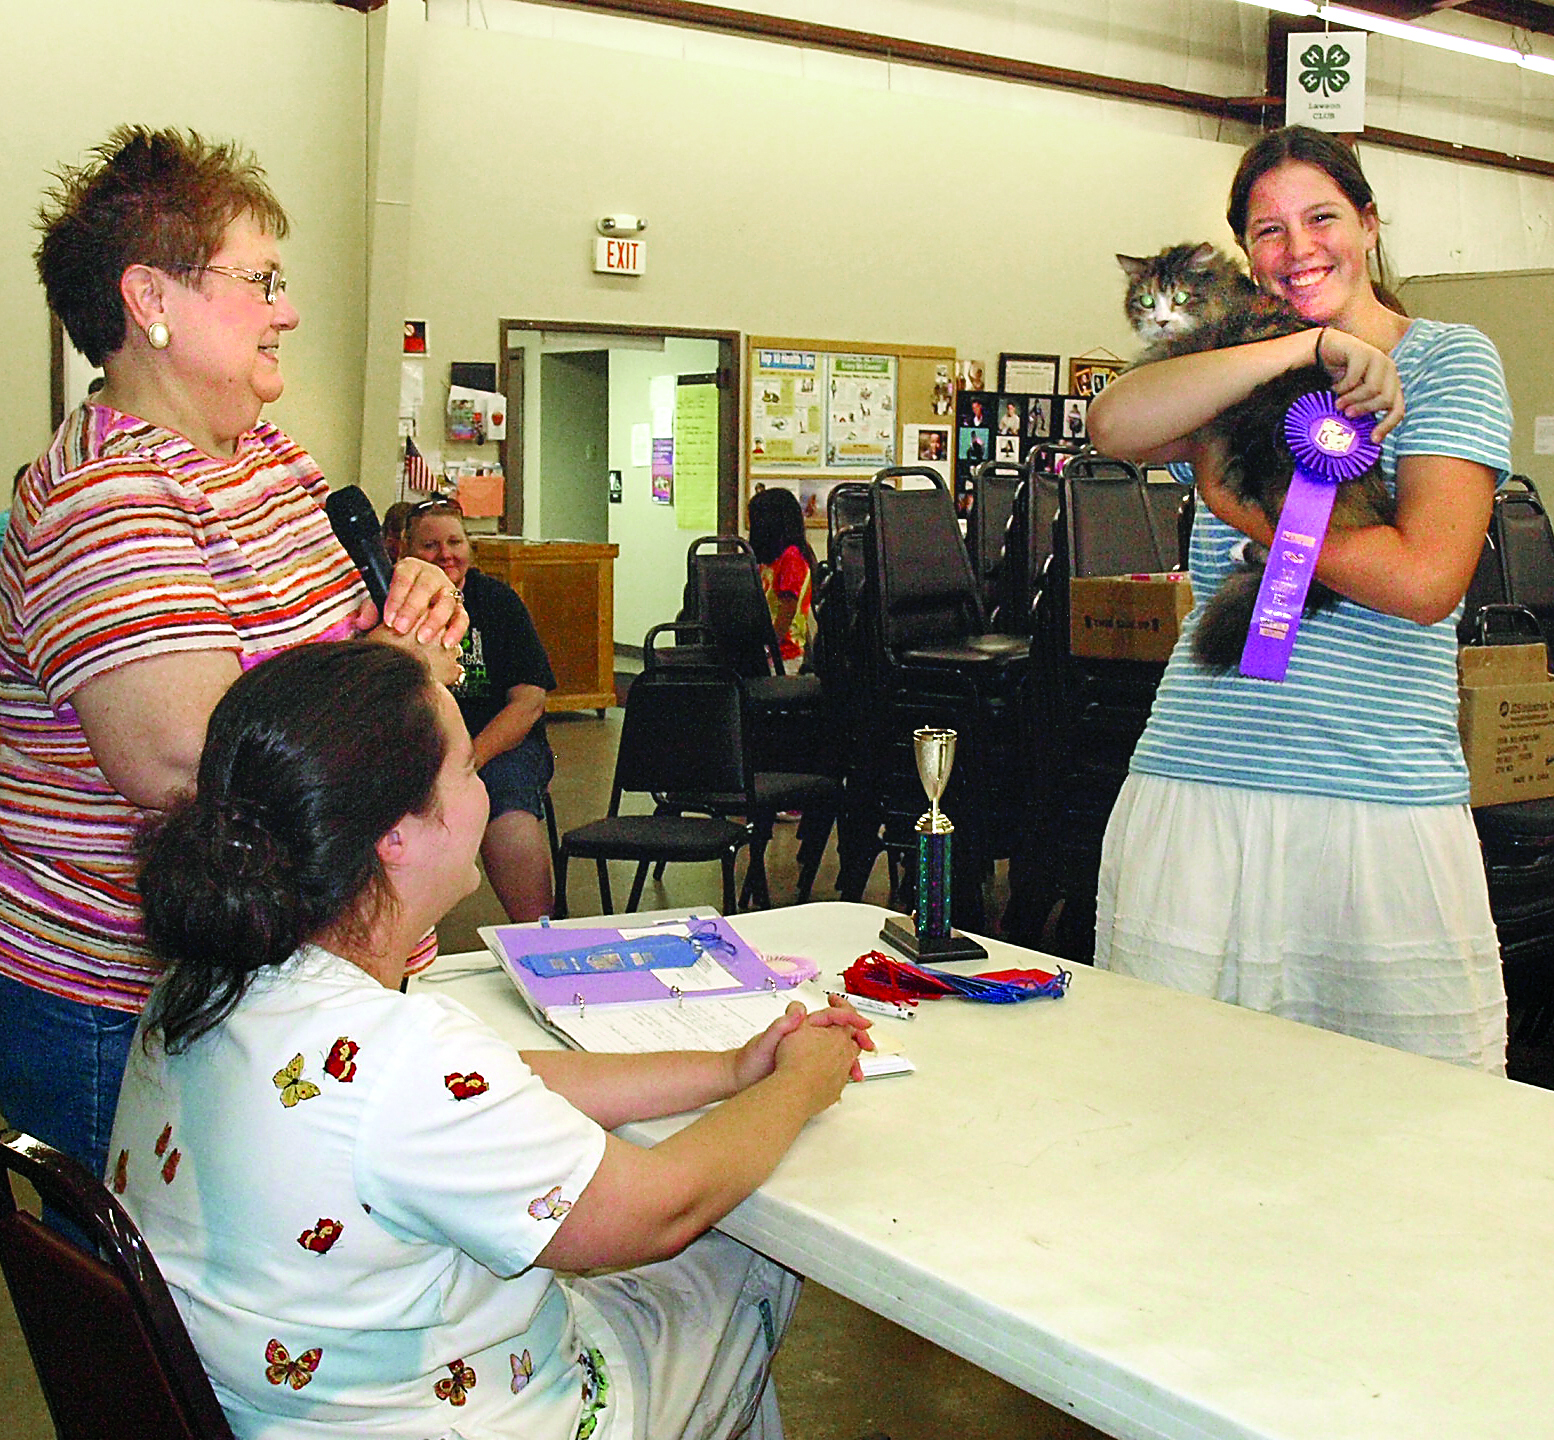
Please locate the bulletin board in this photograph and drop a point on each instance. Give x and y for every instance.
(818, 412)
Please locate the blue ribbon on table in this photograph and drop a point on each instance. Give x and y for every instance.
(1329, 448)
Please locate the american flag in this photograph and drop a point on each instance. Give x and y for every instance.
(418, 474)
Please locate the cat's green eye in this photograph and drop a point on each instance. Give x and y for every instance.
(1144, 300)
(1181, 297)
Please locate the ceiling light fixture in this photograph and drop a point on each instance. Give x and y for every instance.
(1401, 30)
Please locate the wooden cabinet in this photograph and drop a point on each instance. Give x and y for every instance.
(569, 587)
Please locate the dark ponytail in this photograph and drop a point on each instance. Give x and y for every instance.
(310, 758)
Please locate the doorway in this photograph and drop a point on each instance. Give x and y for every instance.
(587, 400)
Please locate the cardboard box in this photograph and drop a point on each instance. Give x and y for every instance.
(1127, 617)
(1506, 717)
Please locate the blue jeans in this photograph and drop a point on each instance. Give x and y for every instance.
(61, 1063)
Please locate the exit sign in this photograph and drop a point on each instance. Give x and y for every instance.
(619, 257)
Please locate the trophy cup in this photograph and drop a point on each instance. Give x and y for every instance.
(930, 937)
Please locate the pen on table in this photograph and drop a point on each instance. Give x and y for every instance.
(865, 1006)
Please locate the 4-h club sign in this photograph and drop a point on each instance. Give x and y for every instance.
(1324, 83)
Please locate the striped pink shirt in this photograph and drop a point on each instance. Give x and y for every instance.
(126, 543)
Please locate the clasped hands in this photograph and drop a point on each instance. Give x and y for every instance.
(838, 1032)
(423, 613)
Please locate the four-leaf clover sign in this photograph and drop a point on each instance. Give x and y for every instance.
(1328, 69)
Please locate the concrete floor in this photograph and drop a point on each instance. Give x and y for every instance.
(843, 1372)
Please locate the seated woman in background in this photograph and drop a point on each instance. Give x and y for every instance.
(359, 1196)
(787, 565)
(395, 519)
(502, 699)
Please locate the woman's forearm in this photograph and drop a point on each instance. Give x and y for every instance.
(1149, 412)
(615, 1089)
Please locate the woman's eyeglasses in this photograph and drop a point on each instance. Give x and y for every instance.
(273, 281)
(442, 504)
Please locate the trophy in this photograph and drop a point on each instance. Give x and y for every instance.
(930, 937)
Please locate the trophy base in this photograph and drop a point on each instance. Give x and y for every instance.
(901, 933)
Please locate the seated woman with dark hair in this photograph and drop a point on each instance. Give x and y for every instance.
(359, 1196)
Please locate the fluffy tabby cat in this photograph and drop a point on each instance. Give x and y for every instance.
(1189, 298)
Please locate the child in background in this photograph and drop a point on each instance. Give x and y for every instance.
(787, 565)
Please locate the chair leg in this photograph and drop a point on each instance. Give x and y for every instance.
(814, 832)
(561, 885)
(730, 904)
(550, 828)
(658, 869)
(606, 901)
(757, 894)
(637, 882)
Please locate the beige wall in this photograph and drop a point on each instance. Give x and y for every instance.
(285, 79)
(777, 204)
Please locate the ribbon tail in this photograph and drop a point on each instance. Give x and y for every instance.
(1292, 562)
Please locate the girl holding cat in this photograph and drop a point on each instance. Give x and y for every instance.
(1306, 848)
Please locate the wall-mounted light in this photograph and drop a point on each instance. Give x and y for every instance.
(615, 226)
(1402, 30)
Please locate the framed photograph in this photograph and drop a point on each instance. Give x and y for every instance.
(1010, 414)
(1087, 377)
(1007, 447)
(1027, 374)
(974, 409)
(1039, 413)
(1074, 408)
(974, 442)
(970, 375)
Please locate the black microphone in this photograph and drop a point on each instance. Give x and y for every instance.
(356, 527)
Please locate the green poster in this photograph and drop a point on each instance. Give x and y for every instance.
(696, 457)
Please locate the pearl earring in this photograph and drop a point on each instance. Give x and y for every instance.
(157, 335)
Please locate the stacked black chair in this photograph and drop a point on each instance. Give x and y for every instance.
(1511, 600)
(111, 1351)
(840, 654)
(933, 662)
(1027, 544)
(1087, 713)
(996, 484)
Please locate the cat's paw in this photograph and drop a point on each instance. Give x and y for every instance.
(1247, 554)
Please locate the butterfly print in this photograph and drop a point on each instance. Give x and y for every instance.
(170, 1166)
(323, 1234)
(455, 1388)
(162, 1139)
(462, 1087)
(523, 1370)
(283, 1370)
(121, 1172)
(550, 1206)
(288, 1080)
(341, 1064)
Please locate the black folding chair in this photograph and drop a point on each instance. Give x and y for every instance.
(684, 731)
(111, 1351)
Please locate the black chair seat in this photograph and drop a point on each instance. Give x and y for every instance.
(1521, 820)
(784, 692)
(774, 790)
(991, 649)
(655, 837)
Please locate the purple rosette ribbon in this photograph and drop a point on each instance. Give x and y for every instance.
(1329, 448)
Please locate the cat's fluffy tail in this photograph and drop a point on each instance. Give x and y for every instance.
(1221, 634)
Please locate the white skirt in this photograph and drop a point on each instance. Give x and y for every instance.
(1368, 919)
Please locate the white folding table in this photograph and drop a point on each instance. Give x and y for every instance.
(1167, 1215)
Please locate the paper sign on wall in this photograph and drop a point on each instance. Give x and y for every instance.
(1324, 80)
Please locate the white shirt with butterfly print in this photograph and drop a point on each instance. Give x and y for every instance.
(346, 1187)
